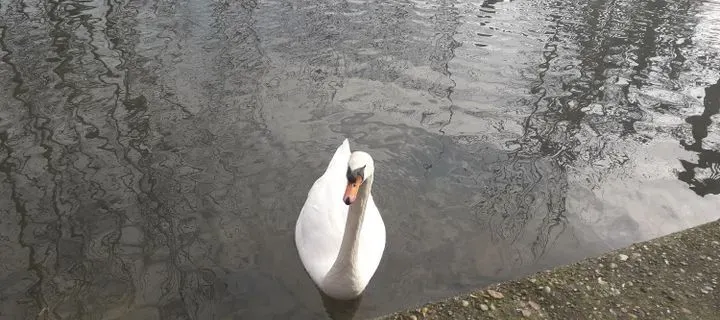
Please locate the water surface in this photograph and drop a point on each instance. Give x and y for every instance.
(154, 155)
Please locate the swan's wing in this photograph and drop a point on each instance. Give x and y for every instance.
(339, 161)
(320, 226)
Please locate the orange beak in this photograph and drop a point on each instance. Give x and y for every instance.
(352, 190)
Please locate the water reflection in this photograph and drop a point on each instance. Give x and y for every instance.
(703, 176)
(340, 309)
(154, 155)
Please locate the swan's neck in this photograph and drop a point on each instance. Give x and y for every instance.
(356, 214)
(344, 271)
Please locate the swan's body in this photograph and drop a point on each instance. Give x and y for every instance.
(340, 245)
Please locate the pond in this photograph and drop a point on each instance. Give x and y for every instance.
(154, 155)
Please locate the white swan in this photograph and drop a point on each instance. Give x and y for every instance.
(340, 245)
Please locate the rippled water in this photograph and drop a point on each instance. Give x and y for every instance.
(154, 155)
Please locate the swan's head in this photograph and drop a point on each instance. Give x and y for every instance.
(360, 169)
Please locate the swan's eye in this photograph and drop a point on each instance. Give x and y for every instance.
(349, 175)
(352, 174)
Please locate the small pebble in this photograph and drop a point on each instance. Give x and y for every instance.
(534, 305)
(465, 303)
(484, 307)
(495, 294)
(613, 265)
(526, 313)
(601, 282)
(547, 289)
(623, 257)
(686, 311)
(413, 317)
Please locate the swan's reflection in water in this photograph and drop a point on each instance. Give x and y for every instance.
(339, 309)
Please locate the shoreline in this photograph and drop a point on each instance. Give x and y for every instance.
(671, 277)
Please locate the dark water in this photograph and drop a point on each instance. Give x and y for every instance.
(154, 155)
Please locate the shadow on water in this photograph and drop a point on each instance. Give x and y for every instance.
(703, 176)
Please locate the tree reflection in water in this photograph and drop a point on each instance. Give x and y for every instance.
(703, 176)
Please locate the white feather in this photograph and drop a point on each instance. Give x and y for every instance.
(320, 227)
